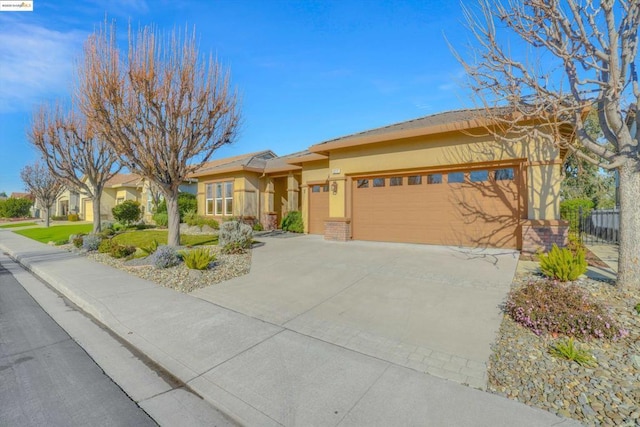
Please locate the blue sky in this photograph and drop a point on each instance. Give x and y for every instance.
(308, 71)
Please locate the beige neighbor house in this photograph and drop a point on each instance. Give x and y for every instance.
(441, 179)
(125, 186)
(121, 187)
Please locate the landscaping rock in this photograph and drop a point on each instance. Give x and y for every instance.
(607, 394)
(180, 277)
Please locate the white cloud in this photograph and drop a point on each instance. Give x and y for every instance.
(36, 64)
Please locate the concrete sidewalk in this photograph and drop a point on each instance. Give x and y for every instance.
(256, 372)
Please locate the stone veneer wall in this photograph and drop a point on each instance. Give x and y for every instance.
(540, 235)
(270, 221)
(338, 229)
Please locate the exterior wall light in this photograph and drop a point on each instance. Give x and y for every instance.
(334, 188)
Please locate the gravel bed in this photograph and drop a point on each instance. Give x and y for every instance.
(179, 277)
(608, 393)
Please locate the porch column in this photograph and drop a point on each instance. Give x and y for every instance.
(269, 217)
(293, 193)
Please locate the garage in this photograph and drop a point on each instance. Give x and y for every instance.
(88, 210)
(479, 207)
(318, 207)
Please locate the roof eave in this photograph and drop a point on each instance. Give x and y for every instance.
(311, 157)
(401, 134)
(278, 169)
(221, 171)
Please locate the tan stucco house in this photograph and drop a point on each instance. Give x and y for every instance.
(121, 187)
(441, 179)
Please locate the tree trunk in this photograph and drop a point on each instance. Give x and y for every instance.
(629, 252)
(47, 217)
(171, 197)
(96, 212)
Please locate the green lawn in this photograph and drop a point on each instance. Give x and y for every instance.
(145, 237)
(18, 224)
(57, 233)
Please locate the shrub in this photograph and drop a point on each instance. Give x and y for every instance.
(150, 248)
(566, 349)
(186, 202)
(637, 308)
(91, 242)
(563, 264)
(233, 249)
(15, 207)
(127, 212)
(161, 219)
(198, 259)
(190, 217)
(293, 222)
(257, 227)
(107, 232)
(106, 225)
(76, 239)
(569, 210)
(548, 307)
(121, 251)
(210, 222)
(575, 243)
(165, 256)
(236, 233)
(105, 246)
(58, 218)
(73, 217)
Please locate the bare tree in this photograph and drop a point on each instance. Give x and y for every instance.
(164, 109)
(42, 184)
(576, 54)
(73, 153)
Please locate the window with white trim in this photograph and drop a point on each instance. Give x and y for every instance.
(219, 198)
(208, 199)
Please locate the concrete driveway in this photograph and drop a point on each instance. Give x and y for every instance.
(431, 308)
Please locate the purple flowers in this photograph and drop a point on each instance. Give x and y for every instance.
(551, 307)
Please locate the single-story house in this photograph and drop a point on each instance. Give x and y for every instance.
(121, 187)
(441, 179)
(126, 186)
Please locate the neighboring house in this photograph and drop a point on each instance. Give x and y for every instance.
(67, 203)
(440, 179)
(121, 187)
(256, 187)
(16, 195)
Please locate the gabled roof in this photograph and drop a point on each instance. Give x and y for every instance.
(436, 123)
(16, 195)
(285, 163)
(250, 162)
(124, 180)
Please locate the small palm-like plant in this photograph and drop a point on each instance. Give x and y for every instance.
(198, 259)
(563, 264)
(150, 248)
(567, 349)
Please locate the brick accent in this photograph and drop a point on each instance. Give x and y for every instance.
(270, 221)
(337, 229)
(540, 235)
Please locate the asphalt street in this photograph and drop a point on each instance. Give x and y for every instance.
(46, 379)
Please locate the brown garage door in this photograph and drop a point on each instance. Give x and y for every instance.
(467, 208)
(318, 207)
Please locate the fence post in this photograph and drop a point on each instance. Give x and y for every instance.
(580, 225)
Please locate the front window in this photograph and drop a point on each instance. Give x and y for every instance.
(208, 202)
(219, 198)
(455, 177)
